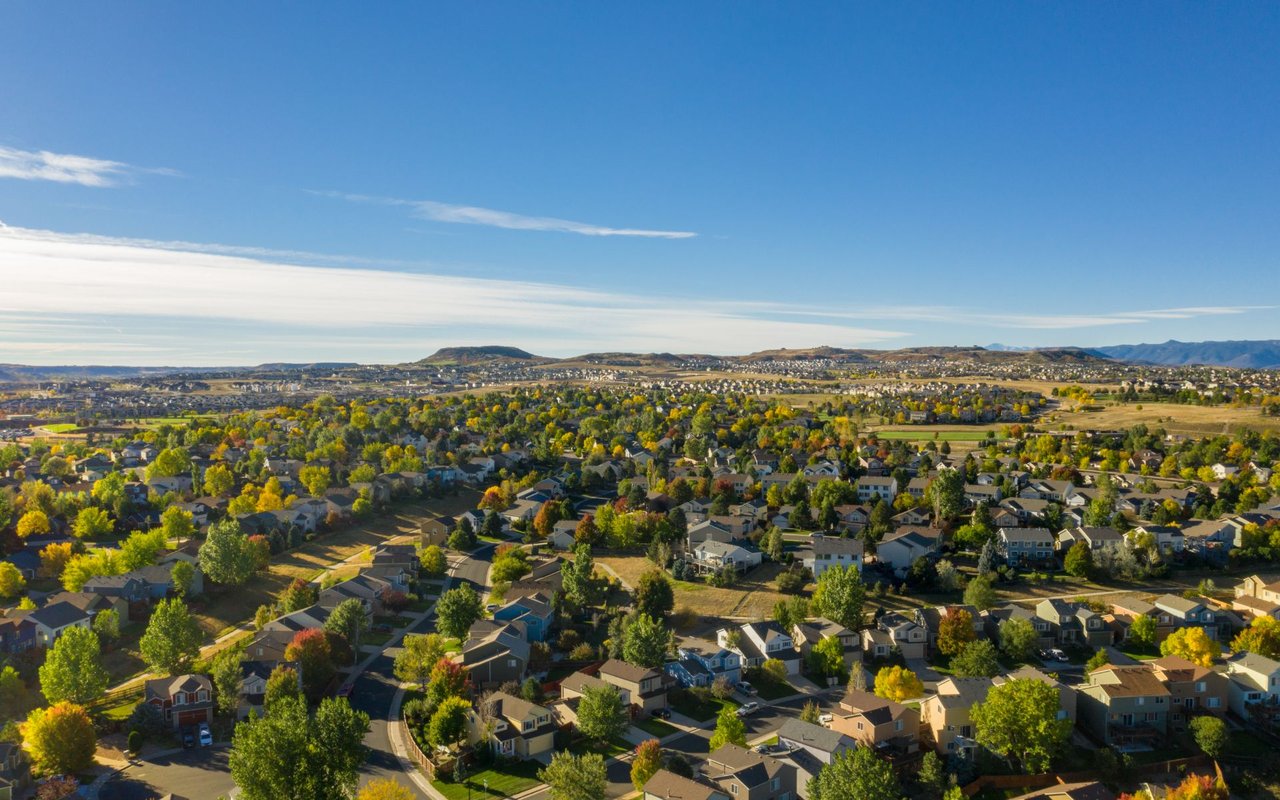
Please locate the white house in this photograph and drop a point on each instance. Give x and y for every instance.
(831, 551)
(871, 487)
(712, 556)
(1254, 679)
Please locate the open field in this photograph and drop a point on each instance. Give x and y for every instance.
(1173, 417)
(753, 597)
(60, 427)
(925, 433)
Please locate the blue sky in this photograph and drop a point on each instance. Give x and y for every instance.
(243, 182)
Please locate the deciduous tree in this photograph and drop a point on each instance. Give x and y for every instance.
(72, 668)
(1019, 721)
(976, 660)
(898, 684)
(730, 729)
(601, 714)
(417, 656)
(1193, 644)
(647, 761)
(654, 595)
(310, 648)
(646, 641)
(457, 610)
(575, 777)
(226, 555)
(59, 739)
(840, 596)
(855, 774)
(172, 639)
(12, 583)
(287, 756)
(1018, 638)
(955, 630)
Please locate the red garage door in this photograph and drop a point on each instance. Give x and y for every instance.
(188, 718)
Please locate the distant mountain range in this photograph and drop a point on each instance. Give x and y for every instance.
(1258, 354)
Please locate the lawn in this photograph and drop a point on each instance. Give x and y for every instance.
(771, 689)
(60, 427)
(699, 710)
(611, 749)
(656, 727)
(503, 780)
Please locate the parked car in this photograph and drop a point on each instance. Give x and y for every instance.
(1057, 655)
(205, 735)
(824, 719)
(662, 713)
(745, 688)
(748, 708)
(188, 739)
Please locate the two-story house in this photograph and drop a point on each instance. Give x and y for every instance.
(55, 618)
(534, 610)
(946, 713)
(831, 551)
(902, 547)
(1193, 690)
(1124, 705)
(1189, 613)
(1020, 546)
(874, 487)
(519, 729)
(747, 775)
(185, 700)
(495, 652)
(667, 785)
(810, 632)
(1096, 538)
(646, 688)
(759, 641)
(876, 722)
(1074, 623)
(572, 688)
(712, 556)
(1254, 680)
(699, 664)
(895, 630)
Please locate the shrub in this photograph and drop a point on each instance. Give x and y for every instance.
(135, 741)
(148, 720)
(583, 652)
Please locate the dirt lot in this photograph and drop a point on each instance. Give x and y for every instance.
(753, 598)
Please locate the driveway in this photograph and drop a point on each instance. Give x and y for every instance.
(200, 773)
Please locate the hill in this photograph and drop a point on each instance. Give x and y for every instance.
(1256, 354)
(476, 355)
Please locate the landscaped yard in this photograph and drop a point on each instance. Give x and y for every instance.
(612, 748)
(698, 710)
(504, 780)
(770, 689)
(656, 727)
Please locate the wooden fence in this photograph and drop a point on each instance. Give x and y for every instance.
(1029, 782)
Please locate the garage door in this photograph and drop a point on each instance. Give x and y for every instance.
(189, 718)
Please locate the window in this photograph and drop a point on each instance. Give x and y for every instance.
(733, 787)
(1142, 701)
(1199, 686)
(1214, 702)
(775, 784)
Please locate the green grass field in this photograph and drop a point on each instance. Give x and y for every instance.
(61, 427)
(656, 727)
(505, 780)
(926, 435)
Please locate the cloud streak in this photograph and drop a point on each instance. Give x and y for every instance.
(436, 211)
(42, 165)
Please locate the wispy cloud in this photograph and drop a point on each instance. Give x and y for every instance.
(436, 211)
(203, 305)
(1055, 321)
(42, 165)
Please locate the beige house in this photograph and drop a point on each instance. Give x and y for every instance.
(572, 688)
(645, 690)
(515, 728)
(1193, 690)
(666, 785)
(746, 775)
(877, 722)
(1124, 705)
(946, 714)
(1253, 679)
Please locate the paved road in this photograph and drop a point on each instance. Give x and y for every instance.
(200, 774)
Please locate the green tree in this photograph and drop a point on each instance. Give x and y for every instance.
(810, 713)
(826, 658)
(1210, 734)
(59, 739)
(579, 583)
(449, 724)
(1098, 659)
(1018, 638)
(1142, 631)
(12, 583)
(946, 494)
(457, 610)
(855, 774)
(141, 549)
(172, 639)
(654, 595)
(15, 698)
(574, 777)
(730, 729)
(980, 593)
(955, 630)
(840, 596)
(169, 463)
(647, 762)
(316, 479)
(931, 775)
(218, 480)
(287, 756)
(1019, 721)
(976, 660)
(177, 523)
(1079, 560)
(433, 561)
(417, 657)
(601, 714)
(348, 620)
(225, 673)
(281, 683)
(92, 523)
(72, 668)
(227, 555)
(183, 576)
(646, 641)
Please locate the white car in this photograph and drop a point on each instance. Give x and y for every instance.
(824, 719)
(748, 708)
(205, 735)
(1057, 655)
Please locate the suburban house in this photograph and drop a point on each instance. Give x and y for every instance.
(930, 618)
(647, 688)
(1188, 613)
(17, 634)
(253, 684)
(534, 610)
(1067, 700)
(831, 551)
(572, 688)
(806, 634)
(494, 653)
(15, 771)
(1020, 546)
(877, 722)
(55, 618)
(186, 700)
(1122, 706)
(1096, 538)
(895, 630)
(1193, 690)
(747, 775)
(1126, 608)
(946, 714)
(700, 665)
(521, 729)
(902, 547)
(1074, 623)
(760, 641)
(713, 556)
(821, 743)
(1254, 680)
(874, 487)
(666, 785)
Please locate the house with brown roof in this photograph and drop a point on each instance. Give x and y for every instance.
(185, 700)
(643, 688)
(666, 785)
(520, 729)
(494, 653)
(748, 775)
(1121, 706)
(1193, 690)
(1092, 790)
(806, 634)
(874, 721)
(946, 713)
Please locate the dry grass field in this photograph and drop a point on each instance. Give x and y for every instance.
(1173, 417)
(753, 598)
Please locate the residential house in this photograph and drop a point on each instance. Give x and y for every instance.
(713, 556)
(1074, 623)
(1096, 538)
(876, 722)
(902, 547)
(436, 530)
(1189, 613)
(831, 551)
(700, 663)
(1124, 706)
(185, 700)
(53, 619)
(760, 641)
(895, 631)
(366, 588)
(646, 687)
(946, 713)
(1020, 546)
(17, 634)
(521, 729)
(572, 688)
(1193, 690)
(15, 771)
(253, 684)
(1254, 681)
(1168, 540)
(821, 743)
(747, 775)
(495, 652)
(912, 516)
(126, 588)
(1210, 538)
(1126, 608)
(667, 785)
(873, 487)
(1067, 700)
(534, 610)
(810, 632)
